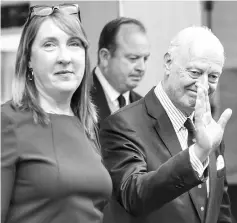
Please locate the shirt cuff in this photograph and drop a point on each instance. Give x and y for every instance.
(197, 165)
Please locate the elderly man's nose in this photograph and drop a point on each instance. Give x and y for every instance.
(203, 80)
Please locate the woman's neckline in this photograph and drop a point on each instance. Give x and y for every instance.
(60, 114)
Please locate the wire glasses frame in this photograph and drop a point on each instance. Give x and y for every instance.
(46, 10)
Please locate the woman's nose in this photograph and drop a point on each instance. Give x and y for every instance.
(64, 55)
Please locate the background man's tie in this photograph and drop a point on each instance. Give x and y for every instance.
(200, 191)
(121, 101)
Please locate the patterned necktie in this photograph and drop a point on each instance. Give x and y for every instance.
(200, 191)
(121, 101)
(191, 131)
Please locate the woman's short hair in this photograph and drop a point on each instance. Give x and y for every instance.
(24, 91)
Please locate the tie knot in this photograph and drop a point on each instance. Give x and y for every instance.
(121, 101)
(189, 125)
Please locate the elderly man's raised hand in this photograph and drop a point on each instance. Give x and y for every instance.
(209, 133)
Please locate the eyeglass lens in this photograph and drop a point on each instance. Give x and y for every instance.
(47, 10)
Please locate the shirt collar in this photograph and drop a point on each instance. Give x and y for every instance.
(176, 116)
(111, 93)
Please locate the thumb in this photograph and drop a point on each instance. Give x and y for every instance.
(225, 116)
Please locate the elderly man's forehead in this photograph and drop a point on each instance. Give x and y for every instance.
(209, 43)
(200, 38)
(207, 46)
(206, 49)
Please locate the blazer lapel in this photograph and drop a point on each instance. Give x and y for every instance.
(99, 99)
(163, 125)
(133, 96)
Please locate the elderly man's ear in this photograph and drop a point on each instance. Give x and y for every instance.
(167, 63)
(104, 55)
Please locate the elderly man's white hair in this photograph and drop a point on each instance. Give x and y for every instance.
(197, 36)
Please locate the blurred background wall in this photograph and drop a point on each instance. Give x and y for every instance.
(163, 20)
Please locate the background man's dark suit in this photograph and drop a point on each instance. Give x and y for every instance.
(99, 99)
(132, 147)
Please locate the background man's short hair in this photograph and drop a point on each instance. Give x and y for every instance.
(108, 35)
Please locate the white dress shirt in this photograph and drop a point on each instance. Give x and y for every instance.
(110, 93)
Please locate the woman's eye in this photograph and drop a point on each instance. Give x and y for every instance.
(49, 44)
(75, 44)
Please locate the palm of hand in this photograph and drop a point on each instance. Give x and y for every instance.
(209, 133)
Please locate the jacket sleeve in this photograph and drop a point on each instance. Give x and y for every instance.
(8, 163)
(138, 190)
(225, 209)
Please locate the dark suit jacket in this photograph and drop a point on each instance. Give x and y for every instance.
(99, 99)
(152, 177)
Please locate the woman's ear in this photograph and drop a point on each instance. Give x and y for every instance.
(104, 55)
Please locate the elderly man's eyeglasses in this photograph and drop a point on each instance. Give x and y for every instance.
(46, 10)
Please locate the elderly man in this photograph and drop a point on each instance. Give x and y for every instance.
(165, 152)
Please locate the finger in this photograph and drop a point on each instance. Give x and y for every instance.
(206, 100)
(225, 116)
(199, 107)
(208, 105)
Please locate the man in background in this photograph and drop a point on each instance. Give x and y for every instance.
(123, 51)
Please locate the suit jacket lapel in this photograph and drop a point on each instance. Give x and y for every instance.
(99, 99)
(133, 96)
(163, 125)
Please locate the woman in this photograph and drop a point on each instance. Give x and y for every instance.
(51, 167)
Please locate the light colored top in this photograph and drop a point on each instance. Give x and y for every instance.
(110, 93)
(178, 119)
